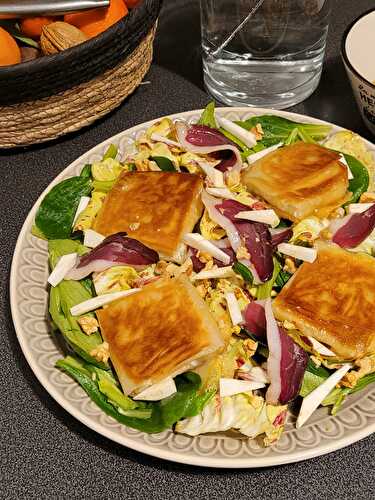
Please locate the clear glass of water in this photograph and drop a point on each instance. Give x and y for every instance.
(265, 53)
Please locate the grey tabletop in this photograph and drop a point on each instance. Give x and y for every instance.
(45, 452)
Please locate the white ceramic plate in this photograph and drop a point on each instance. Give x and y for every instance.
(28, 293)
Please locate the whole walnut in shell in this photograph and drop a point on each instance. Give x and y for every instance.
(59, 36)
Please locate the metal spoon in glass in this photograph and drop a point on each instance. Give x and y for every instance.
(21, 8)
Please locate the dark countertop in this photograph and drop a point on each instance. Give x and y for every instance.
(46, 453)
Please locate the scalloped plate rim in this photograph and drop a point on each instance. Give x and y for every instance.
(190, 458)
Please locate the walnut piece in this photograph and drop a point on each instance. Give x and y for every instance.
(367, 197)
(242, 253)
(250, 346)
(290, 265)
(101, 352)
(89, 324)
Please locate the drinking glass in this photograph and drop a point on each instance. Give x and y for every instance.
(265, 53)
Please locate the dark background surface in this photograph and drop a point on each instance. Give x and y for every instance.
(46, 453)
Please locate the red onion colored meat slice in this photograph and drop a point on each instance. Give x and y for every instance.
(286, 362)
(255, 319)
(233, 235)
(293, 366)
(355, 229)
(205, 145)
(198, 265)
(202, 135)
(227, 160)
(227, 163)
(115, 250)
(230, 208)
(256, 237)
(280, 235)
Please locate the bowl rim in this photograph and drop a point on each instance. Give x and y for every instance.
(343, 47)
(81, 49)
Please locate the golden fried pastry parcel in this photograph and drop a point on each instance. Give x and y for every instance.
(161, 331)
(156, 208)
(299, 180)
(333, 300)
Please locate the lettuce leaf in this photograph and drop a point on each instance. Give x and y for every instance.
(58, 248)
(314, 376)
(67, 294)
(111, 152)
(208, 116)
(264, 290)
(249, 414)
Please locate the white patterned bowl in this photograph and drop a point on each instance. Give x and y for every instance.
(28, 293)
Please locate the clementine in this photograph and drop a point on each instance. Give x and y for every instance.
(10, 53)
(95, 21)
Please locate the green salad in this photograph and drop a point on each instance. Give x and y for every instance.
(282, 214)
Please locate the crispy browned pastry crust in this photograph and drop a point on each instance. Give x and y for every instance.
(156, 208)
(333, 300)
(158, 332)
(299, 180)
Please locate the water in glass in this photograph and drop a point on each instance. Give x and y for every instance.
(266, 53)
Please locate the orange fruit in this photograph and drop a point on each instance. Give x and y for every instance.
(10, 53)
(95, 21)
(32, 26)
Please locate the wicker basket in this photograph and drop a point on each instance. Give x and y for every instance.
(44, 99)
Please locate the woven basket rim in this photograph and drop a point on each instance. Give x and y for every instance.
(46, 119)
(85, 48)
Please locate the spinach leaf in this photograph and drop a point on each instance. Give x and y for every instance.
(243, 271)
(81, 375)
(188, 401)
(277, 129)
(56, 213)
(86, 172)
(208, 116)
(360, 182)
(284, 223)
(163, 163)
(282, 278)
